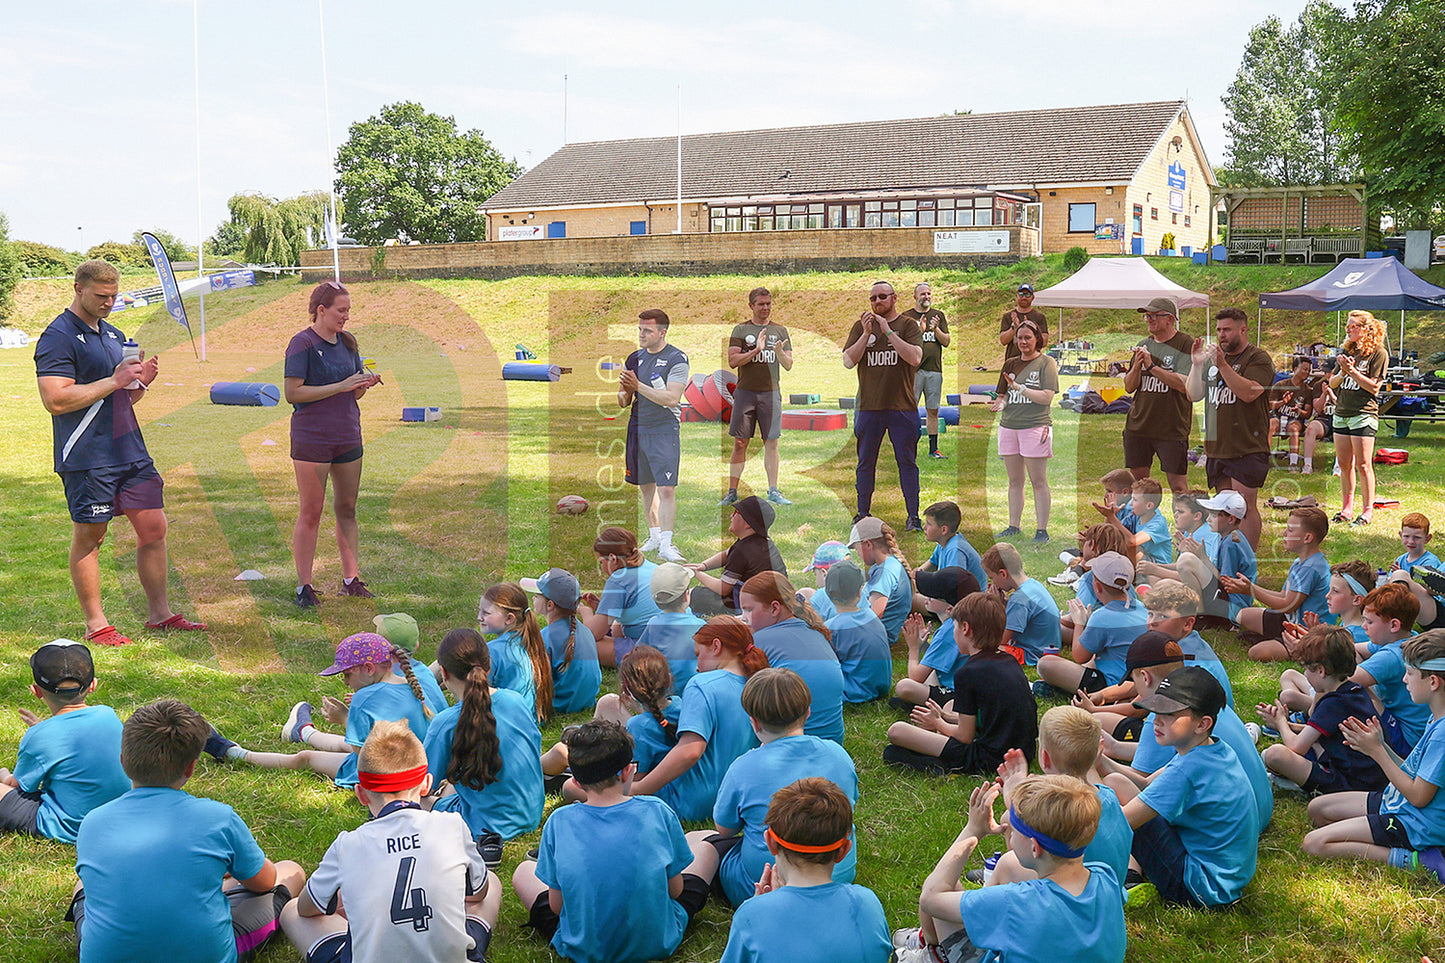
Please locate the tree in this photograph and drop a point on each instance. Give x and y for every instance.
(121, 255)
(1281, 105)
(43, 260)
(10, 270)
(410, 175)
(1389, 78)
(228, 241)
(175, 248)
(276, 232)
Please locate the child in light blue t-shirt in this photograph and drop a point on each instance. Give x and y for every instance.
(1069, 906)
(931, 667)
(890, 583)
(1151, 528)
(1415, 535)
(1102, 636)
(66, 764)
(940, 526)
(571, 647)
(672, 629)
(777, 701)
(800, 911)
(1305, 588)
(1031, 616)
(859, 639)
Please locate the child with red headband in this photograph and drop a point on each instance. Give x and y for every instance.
(799, 912)
(412, 882)
(1073, 909)
(615, 880)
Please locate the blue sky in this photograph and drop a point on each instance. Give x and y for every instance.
(98, 100)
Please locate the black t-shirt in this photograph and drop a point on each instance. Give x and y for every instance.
(992, 686)
(752, 555)
(1330, 710)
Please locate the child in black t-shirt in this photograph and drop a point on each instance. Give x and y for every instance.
(1314, 756)
(994, 709)
(752, 554)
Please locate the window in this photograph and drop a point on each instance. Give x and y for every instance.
(1173, 218)
(1153, 213)
(1138, 218)
(1186, 220)
(1081, 218)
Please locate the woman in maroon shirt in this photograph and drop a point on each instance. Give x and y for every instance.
(324, 379)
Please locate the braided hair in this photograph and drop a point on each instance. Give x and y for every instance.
(890, 542)
(402, 658)
(476, 759)
(646, 676)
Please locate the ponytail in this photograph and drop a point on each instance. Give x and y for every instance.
(770, 587)
(892, 545)
(647, 677)
(476, 760)
(736, 638)
(531, 634)
(400, 656)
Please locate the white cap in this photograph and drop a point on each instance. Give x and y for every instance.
(1228, 501)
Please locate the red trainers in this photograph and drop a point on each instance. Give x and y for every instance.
(107, 635)
(178, 623)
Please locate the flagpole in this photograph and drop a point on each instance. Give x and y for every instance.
(330, 156)
(679, 159)
(200, 217)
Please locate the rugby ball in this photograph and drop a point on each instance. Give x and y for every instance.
(571, 505)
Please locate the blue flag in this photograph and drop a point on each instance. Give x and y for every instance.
(172, 293)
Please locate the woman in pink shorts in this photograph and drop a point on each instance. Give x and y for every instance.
(1025, 427)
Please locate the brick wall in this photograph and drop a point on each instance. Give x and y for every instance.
(669, 254)
(1054, 213)
(1150, 189)
(607, 221)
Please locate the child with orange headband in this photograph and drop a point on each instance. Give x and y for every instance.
(412, 882)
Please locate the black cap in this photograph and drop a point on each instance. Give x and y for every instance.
(1152, 648)
(63, 667)
(947, 584)
(757, 513)
(1191, 688)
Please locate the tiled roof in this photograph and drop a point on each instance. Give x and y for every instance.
(1015, 148)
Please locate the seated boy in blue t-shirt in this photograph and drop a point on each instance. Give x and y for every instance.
(68, 764)
(931, 667)
(1428, 584)
(671, 631)
(1196, 825)
(1031, 624)
(1414, 536)
(1305, 587)
(1148, 529)
(1315, 757)
(614, 880)
(209, 893)
(1102, 636)
(798, 912)
(1073, 909)
(940, 526)
(858, 637)
(1404, 825)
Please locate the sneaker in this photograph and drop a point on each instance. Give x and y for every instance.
(1432, 859)
(217, 745)
(907, 938)
(356, 588)
(1142, 895)
(534, 853)
(489, 845)
(1009, 532)
(936, 454)
(1270, 731)
(1040, 536)
(1281, 783)
(915, 524)
(1254, 729)
(553, 785)
(1042, 690)
(776, 497)
(669, 553)
(901, 705)
(653, 543)
(299, 718)
(859, 516)
(915, 954)
(306, 597)
(974, 876)
(1068, 555)
(1067, 577)
(731, 498)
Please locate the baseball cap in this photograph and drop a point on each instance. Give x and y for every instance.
(62, 667)
(865, 530)
(1160, 306)
(1228, 501)
(947, 584)
(399, 629)
(669, 581)
(1191, 687)
(359, 649)
(1152, 648)
(827, 554)
(756, 512)
(558, 586)
(1026, 288)
(844, 581)
(1113, 570)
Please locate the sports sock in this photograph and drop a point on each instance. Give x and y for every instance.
(1310, 463)
(932, 443)
(1401, 858)
(654, 531)
(666, 537)
(236, 752)
(1293, 459)
(348, 581)
(307, 731)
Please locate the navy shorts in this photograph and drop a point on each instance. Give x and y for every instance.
(653, 457)
(1139, 452)
(96, 495)
(336, 948)
(755, 411)
(1385, 830)
(20, 812)
(1249, 470)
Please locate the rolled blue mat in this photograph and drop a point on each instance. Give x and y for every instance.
(948, 414)
(245, 393)
(530, 371)
(953, 400)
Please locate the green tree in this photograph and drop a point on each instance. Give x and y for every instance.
(276, 232)
(1281, 105)
(175, 248)
(121, 255)
(228, 241)
(43, 260)
(1389, 75)
(410, 175)
(10, 270)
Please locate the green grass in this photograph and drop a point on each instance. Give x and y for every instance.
(449, 508)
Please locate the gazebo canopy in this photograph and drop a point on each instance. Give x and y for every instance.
(1116, 282)
(1361, 284)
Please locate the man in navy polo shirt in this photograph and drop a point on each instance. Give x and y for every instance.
(652, 383)
(89, 388)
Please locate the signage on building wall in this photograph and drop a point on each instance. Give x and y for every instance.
(970, 242)
(1177, 180)
(1108, 232)
(525, 232)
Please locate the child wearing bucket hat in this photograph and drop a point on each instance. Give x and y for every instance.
(753, 553)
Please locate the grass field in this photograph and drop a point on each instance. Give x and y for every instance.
(449, 508)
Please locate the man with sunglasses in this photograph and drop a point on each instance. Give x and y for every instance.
(886, 348)
(1158, 423)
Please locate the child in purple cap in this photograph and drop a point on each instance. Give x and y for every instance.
(364, 662)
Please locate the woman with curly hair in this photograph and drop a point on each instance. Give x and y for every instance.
(1363, 360)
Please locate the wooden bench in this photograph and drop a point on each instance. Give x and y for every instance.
(1338, 248)
(1297, 247)
(1241, 248)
